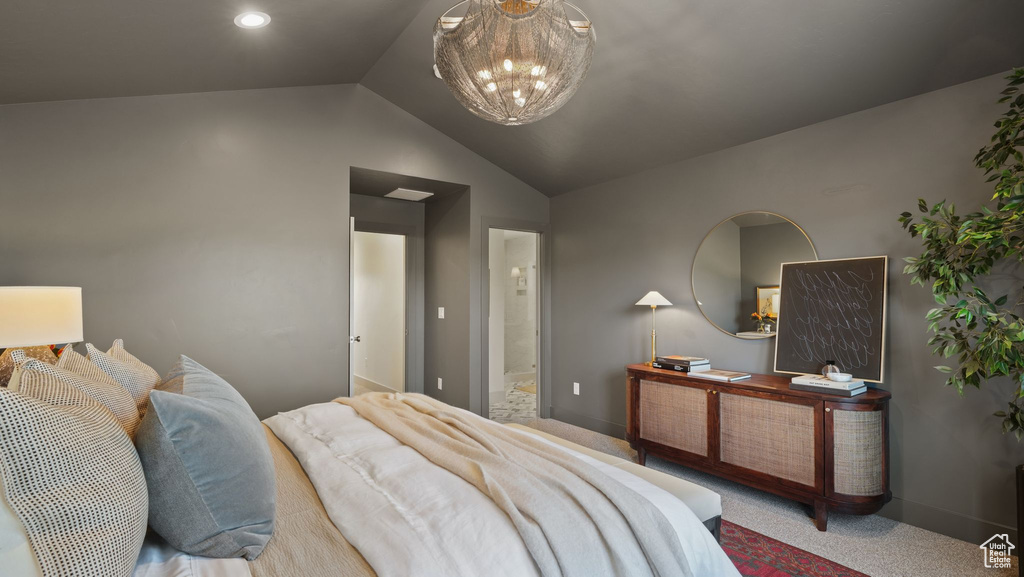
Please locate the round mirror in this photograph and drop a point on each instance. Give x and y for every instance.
(737, 270)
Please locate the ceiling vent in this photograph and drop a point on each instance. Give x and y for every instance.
(406, 194)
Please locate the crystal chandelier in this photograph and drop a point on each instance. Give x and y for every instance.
(513, 61)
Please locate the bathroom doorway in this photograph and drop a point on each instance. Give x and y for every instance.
(513, 325)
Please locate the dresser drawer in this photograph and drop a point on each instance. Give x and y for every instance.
(674, 416)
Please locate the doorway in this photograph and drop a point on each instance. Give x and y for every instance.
(513, 351)
(378, 312)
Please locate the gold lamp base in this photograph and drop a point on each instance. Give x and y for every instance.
(654, 335)
(42, 353)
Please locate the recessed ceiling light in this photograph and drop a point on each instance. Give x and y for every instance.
(252, 20)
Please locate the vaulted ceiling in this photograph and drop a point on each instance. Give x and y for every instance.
(65, 50)
(671, 79)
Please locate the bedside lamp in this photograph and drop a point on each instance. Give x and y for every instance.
(653, 299)
(33, 318)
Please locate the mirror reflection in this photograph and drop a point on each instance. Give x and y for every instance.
(737, 267)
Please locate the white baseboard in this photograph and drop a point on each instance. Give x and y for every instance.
(373, 385)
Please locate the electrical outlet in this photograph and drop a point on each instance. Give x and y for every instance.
(575, 388)
(440, 384)
(440, 312)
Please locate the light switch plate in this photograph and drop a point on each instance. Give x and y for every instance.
(439, 384)
(440, 312)
(575, 388)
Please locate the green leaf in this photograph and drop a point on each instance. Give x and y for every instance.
(984, 339)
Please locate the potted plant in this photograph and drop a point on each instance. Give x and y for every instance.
(982, 336)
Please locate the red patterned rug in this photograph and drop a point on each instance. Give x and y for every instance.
(758, 556)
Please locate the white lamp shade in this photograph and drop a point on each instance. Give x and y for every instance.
(37, 316)
(654, 299)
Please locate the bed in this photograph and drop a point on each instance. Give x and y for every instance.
(381, 485)
(306, 536)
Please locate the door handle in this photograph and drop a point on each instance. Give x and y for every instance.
(355, 339)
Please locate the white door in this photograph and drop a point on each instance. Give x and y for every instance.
(352, 337)
(378, 355)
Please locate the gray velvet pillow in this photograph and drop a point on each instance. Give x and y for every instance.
(207, 465)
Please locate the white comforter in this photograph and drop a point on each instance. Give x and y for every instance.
(399, 509)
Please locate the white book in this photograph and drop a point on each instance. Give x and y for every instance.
(825, 382)
(720, 375)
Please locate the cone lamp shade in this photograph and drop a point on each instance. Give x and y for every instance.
(654, 299)
(39, 316)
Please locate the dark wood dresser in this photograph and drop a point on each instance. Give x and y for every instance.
(827, 451)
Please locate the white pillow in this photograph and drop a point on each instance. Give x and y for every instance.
(73, 480)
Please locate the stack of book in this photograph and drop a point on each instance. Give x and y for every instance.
(697, 367)
(820, 384)
(682, 364)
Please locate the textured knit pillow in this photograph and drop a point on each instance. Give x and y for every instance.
(133, 374)
(73, 481)
(41, 381)
(70, 360)
(208, 466)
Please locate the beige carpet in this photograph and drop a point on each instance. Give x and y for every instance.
(871, 544)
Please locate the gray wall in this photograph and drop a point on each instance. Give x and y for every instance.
(447, 340)
(845, 181)
(216, 225)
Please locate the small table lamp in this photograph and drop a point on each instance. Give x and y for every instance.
(654, 299)
(33, 318)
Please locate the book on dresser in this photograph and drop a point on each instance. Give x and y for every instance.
(682, 360)
(821, 384)
(681, 368)
(830, 390)
(720, 375)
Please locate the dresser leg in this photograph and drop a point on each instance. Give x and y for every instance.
(641, 456)
(821, 515)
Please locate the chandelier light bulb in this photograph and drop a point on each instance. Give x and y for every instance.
(537, 51)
